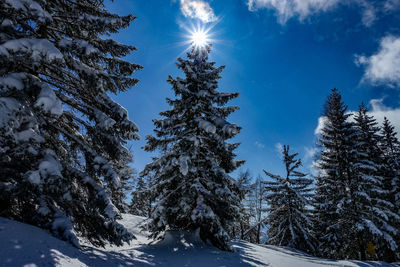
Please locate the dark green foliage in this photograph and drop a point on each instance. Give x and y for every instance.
(335, 163)
(390, 171)
(351, 204)
(143, 197)
(192, 181)
(63, 160)
(288, 200)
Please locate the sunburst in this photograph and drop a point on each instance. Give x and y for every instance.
(199, 38)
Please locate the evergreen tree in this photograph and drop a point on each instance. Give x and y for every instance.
(390, 169)
(246, 212)
(143, 196)
(63, 163)
(351, 207)
(367, 212)
(252, 212)
(257, 205)
(335, 163)
(192, 172)
(288, 199)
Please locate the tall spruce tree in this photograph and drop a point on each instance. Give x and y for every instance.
(288, 199)
(390, 171)
(192, 172)
(63, 163)
(368, 214)
(335, 163)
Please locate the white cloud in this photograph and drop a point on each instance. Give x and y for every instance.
(259, 145)
(287, 9)
(392, 5)
(368, 12)
(197, 9)
(384, 66)
(315, 169)
(321, 123)
(279, 149)
(309, 160)
(309, 153)
(379, 110)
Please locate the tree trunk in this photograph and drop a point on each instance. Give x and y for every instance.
(361, 243)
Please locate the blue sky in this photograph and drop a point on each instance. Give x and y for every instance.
(283, 57)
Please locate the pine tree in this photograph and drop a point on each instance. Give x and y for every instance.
(335, 163)
(193, 182)
(258, 207)
(246, 212)
(390, 169)
(253, 212)
(351, 207)
(63, 163)
(368, 214)
(288, 199)
(143, 197)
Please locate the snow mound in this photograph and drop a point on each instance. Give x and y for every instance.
(26, 245)
(181, 239)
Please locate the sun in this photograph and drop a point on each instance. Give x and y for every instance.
(199, 38)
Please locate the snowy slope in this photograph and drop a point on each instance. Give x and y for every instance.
(25, 245)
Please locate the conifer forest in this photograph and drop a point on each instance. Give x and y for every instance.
(266, 129)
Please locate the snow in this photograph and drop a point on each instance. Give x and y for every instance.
(64, 225)
(83, 45)
(27, 135)
(103, 121)
(9, 107)
(13, 80)
(48, 101)
(230, 129)
(29, 6)
(6, 23)
(26, 245)
(207, 126)
(34, 177)
(111, 211)
(48, 168)
(183, 165)
(38, 49)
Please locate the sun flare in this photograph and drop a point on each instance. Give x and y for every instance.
(199, 38)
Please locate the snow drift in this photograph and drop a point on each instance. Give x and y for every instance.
(26, 245)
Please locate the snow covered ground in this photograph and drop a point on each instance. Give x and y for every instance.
(25, 245)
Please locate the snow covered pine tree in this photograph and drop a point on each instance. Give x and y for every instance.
(335, 164)
(373, 215)
(288, 199)
(242, 225)
(251, 209)
(255, 206)
(390, 147)
(195, 190)
(351, 204)
(142, 196)
(62, 156)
